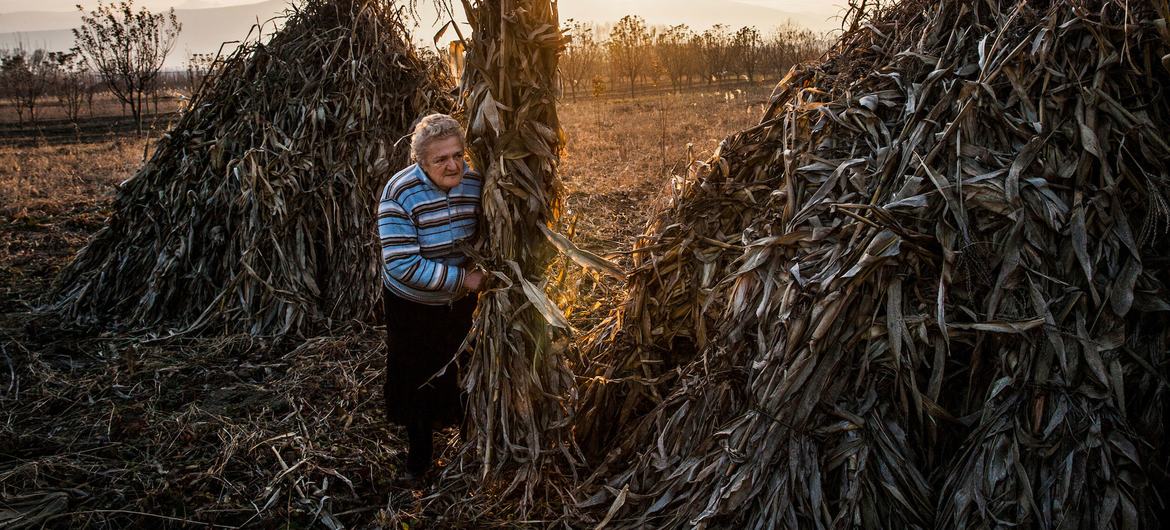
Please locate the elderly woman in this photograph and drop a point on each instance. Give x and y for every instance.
(427, 212)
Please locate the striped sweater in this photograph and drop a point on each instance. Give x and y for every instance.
(421, 228)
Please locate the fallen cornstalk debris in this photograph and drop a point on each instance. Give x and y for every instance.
(111, 432)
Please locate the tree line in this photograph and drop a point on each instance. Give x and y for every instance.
(28, 77)
(631, 53)
(120, 50)
(117, 49)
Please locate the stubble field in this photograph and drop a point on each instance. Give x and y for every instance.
(103, 430)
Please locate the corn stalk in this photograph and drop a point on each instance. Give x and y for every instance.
(519, 386)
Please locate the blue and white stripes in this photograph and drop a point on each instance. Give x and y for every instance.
(421, 228)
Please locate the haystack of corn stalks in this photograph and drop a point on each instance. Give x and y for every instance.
(254, 213)
(520, 389)
(928, 290)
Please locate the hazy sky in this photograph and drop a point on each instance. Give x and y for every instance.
(799, 6)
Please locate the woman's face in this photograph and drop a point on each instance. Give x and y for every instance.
(442, 161)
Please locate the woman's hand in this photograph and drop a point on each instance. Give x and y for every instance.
(475, 280)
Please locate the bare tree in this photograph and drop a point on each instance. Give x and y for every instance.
(747, 51)
(28, 76)
(582, 53)
(5, 82)
(127, 49)
(790, 44)
(651, 70)
(695, 66)
(673, 47)
(71, 83)
(714, 44)
(198, 67)
(628, 42)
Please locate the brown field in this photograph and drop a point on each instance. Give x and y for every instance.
(104, 104)
(622, 153)
(114, 432)
(55, 196)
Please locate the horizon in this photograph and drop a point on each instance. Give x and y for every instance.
(49, 26)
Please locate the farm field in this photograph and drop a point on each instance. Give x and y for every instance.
(227, 431)
(929, 290)
(103, 119)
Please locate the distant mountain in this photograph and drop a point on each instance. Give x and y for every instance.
(28, 21)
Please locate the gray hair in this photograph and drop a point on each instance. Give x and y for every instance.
(430, 128)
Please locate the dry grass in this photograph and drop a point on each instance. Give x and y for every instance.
(622, 154)
(104, 105)
(624, 160)
(44, 177)
(55, 197)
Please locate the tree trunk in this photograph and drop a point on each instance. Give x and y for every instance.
(136, 110)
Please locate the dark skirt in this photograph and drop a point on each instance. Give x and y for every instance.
(420, 340)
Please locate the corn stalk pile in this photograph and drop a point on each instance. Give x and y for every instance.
(518, 384)
(255, 212)
(633, 356)
(928, 290)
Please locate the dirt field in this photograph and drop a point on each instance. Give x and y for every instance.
(105, 120)
(109, 431)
